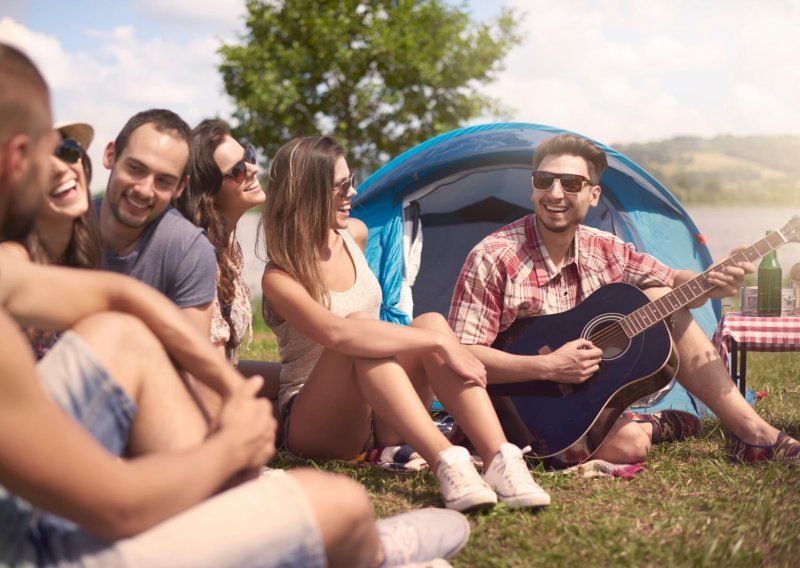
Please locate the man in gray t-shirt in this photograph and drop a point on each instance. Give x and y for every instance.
(142, 235)
(173, 256)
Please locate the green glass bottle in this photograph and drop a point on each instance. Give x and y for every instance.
(769, 285)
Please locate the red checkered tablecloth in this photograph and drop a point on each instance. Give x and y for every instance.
(757, 333)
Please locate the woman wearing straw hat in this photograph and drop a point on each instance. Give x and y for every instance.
(65, 232)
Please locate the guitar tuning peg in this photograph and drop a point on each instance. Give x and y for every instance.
(794, 272)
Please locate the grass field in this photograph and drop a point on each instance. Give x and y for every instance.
(689, 507)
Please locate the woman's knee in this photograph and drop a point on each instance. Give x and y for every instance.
(115, 333)
(332, 494)
(343, 511)
(431, 320)
(126, 347)
(351, 499)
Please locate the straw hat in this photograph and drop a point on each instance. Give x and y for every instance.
(81, 132)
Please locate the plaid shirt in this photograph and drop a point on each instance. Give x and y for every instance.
(510, 275)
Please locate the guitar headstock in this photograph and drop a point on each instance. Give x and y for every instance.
(791, 231)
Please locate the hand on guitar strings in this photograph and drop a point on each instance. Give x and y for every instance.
(728, 279)
(574, 362)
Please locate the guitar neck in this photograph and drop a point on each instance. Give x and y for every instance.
(648, 315)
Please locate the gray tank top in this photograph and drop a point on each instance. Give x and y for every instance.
(299, 354)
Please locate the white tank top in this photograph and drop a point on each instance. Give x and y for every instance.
(299, 353)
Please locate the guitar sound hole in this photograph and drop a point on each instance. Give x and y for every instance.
(606, 333)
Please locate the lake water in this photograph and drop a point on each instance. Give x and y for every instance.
(723, 227)
(727, 227)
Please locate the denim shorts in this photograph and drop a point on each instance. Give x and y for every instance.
(265, 522)
(77, 382)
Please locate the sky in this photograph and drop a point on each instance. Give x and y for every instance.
(617, 71)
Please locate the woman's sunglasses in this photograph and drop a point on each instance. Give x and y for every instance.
(343, 187)
(570, 183)
(68, 151)
(239, 170)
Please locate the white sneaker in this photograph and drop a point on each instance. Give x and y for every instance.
(422, 537)
(509, 476)
(461, 486)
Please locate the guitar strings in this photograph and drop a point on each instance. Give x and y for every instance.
(607, 333)
(615, 331)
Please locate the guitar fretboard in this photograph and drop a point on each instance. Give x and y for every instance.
(648, 315)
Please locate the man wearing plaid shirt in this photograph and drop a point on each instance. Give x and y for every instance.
(548, 262)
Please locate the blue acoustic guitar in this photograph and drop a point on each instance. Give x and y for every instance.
(566, 423)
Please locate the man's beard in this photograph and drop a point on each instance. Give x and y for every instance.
(116, 211)
(114, 201)
(556, 229)
(553, 228)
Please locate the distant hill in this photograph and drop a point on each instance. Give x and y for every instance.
(749, 170)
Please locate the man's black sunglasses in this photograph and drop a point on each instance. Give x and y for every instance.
(570, 183)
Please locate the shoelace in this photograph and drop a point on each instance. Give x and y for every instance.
(515, 471)
(459, 476)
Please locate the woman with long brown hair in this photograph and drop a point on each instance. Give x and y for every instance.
(223, 186)
(349, 380)
(66, 231)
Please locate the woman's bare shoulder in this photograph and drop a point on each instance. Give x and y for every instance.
(15, 250)
(359, 232)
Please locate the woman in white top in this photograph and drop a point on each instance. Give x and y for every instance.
(346, 376)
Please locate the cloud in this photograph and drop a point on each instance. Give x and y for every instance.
(122, 75)
(40, 49)
(617, 70)
(622, 71)
(219, 14)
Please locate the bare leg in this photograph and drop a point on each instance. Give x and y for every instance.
(331, 417)
(413, 368)
(167, 417)
(627, 442)
(400, 408)
(468, 403)
(703, 374)
(345, 517)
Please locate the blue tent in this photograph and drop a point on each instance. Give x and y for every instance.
(428, 207)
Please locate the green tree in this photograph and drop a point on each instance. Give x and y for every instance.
(378, 75)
